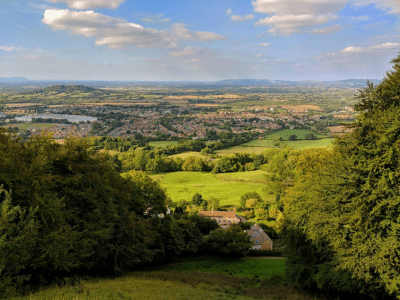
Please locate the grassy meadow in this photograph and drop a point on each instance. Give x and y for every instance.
(262, 268)
(258, 146)
(242, 279)
(227, 187)
(162, 144)
(300, 133)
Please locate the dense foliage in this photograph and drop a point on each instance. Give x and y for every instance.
(342, 206)
(66, 210)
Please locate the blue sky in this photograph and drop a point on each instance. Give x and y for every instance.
(189, 40)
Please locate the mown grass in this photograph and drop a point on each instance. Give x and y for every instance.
(226, 187)
(260, 268)
(162, 144)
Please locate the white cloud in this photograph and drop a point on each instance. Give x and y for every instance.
(147, 20)
(188, 51)
(242, 18)
(372, 49)
(8, 48)
(327, 30)
(264, 45)
(298, 7)
(290, 24)
(360, 18)
(390, 6)
(119, 33)
(229, 11)
(87, 4)
(181, 32)
(287, 17)
(156, 19)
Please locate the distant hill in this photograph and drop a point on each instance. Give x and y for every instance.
(13, 80)
(340, 83)
(64, 89)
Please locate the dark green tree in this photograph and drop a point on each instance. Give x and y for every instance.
(231, 242)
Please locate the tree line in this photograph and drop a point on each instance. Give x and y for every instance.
(341, 205)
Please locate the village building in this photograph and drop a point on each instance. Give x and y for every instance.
(261, 240)
(224, 218)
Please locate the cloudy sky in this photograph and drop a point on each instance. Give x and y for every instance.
(175, 40)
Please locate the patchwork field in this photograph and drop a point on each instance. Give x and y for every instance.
(226, 187)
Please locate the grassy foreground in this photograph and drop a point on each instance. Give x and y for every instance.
(226, 187)
(260, 268)
(199, 280)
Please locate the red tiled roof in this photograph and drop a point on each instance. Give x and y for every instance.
(223, 214)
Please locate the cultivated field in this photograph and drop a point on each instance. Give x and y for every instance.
(227, 187)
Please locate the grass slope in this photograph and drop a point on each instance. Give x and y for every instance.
(130, 288)
(226, 187)
(162, 144)
(262, 268)
(300, 133)
(208, 279)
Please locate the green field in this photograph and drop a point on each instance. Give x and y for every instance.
(187, 154)
(162, 144)
(258, 146)
(263, 268)
(227, 187)
(300, 133)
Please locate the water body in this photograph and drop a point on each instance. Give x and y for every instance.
(70, 118)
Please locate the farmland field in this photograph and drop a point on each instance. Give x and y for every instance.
(187, 154)
(226, 187)
(162, 144)
(288, 132)
(258, 146)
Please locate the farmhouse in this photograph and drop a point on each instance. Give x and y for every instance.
(261, 240)
(224, 218)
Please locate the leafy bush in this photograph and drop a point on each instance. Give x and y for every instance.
(231, 242)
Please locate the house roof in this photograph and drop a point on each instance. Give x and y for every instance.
(222, 214)
(257, 235)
